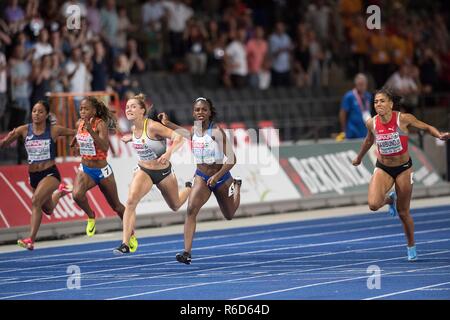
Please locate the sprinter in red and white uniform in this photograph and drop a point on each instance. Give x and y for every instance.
(389, 130)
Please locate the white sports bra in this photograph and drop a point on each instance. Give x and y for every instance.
(146, 148)
(205, 148)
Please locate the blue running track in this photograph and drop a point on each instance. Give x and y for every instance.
(316, 259)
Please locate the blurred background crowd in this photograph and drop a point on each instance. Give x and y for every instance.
(252, 45)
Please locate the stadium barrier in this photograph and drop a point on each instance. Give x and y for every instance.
(278, 179)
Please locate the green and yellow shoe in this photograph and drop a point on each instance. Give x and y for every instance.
(90, 227)
(133, 243)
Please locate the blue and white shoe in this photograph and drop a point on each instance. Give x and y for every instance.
(412, 254)
(393, 206)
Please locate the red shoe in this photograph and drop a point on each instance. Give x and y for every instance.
(65, 188)
(26, 243)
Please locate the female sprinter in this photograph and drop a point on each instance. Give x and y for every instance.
(389, 130)
(154, 167)
(209, 144)
(92, 138)
(45, 180)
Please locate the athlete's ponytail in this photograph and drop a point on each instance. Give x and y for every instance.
(103, 112)
(141, 99)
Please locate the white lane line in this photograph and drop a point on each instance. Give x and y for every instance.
(330, 282)
(235, 254)
(230, 235)
(248, 264)
(222, 268)
(406, 291)
(235, 244)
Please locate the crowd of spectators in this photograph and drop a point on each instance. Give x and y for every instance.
(258, 44)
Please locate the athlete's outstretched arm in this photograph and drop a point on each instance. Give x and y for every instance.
(63, 131)
(366, 145)
(412, 121)
(165, 132)
(169, 124)
(13, 135)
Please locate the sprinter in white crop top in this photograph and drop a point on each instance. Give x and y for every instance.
(154, 168)
(214, 158)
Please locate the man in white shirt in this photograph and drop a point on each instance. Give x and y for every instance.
(76, 73)
(42, 47)
(280, 47)
(178, 16)
(152, 14)
(403, 84)
(236, 60)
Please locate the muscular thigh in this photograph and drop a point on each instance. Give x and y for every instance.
(140, 185)
(223, 196)
(379, 185)
(200, 193)
(45, 188)
(83, 182)
(169, 188)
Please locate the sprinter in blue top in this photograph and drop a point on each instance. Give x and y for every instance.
(209, 147)
(40, 136)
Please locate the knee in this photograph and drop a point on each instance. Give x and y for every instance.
(228, 217)
(36, 201)
(403, 213)
(374, 206)
(174, 207)
(77, 196)
(132, 202)
(192, 212)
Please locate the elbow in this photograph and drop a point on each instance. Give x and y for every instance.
(178, 141)
(231, 161)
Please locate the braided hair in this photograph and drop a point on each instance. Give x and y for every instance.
(103, 112)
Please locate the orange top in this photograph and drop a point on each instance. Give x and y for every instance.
(360, 40)
(402, 49)
(380, 49)
(88, 149)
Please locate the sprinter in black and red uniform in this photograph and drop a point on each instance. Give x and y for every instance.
(389, 130)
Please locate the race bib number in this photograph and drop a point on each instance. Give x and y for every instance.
(106, 171)
(389, 143)
(144, 152)
(87, 146)
(38, 150)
